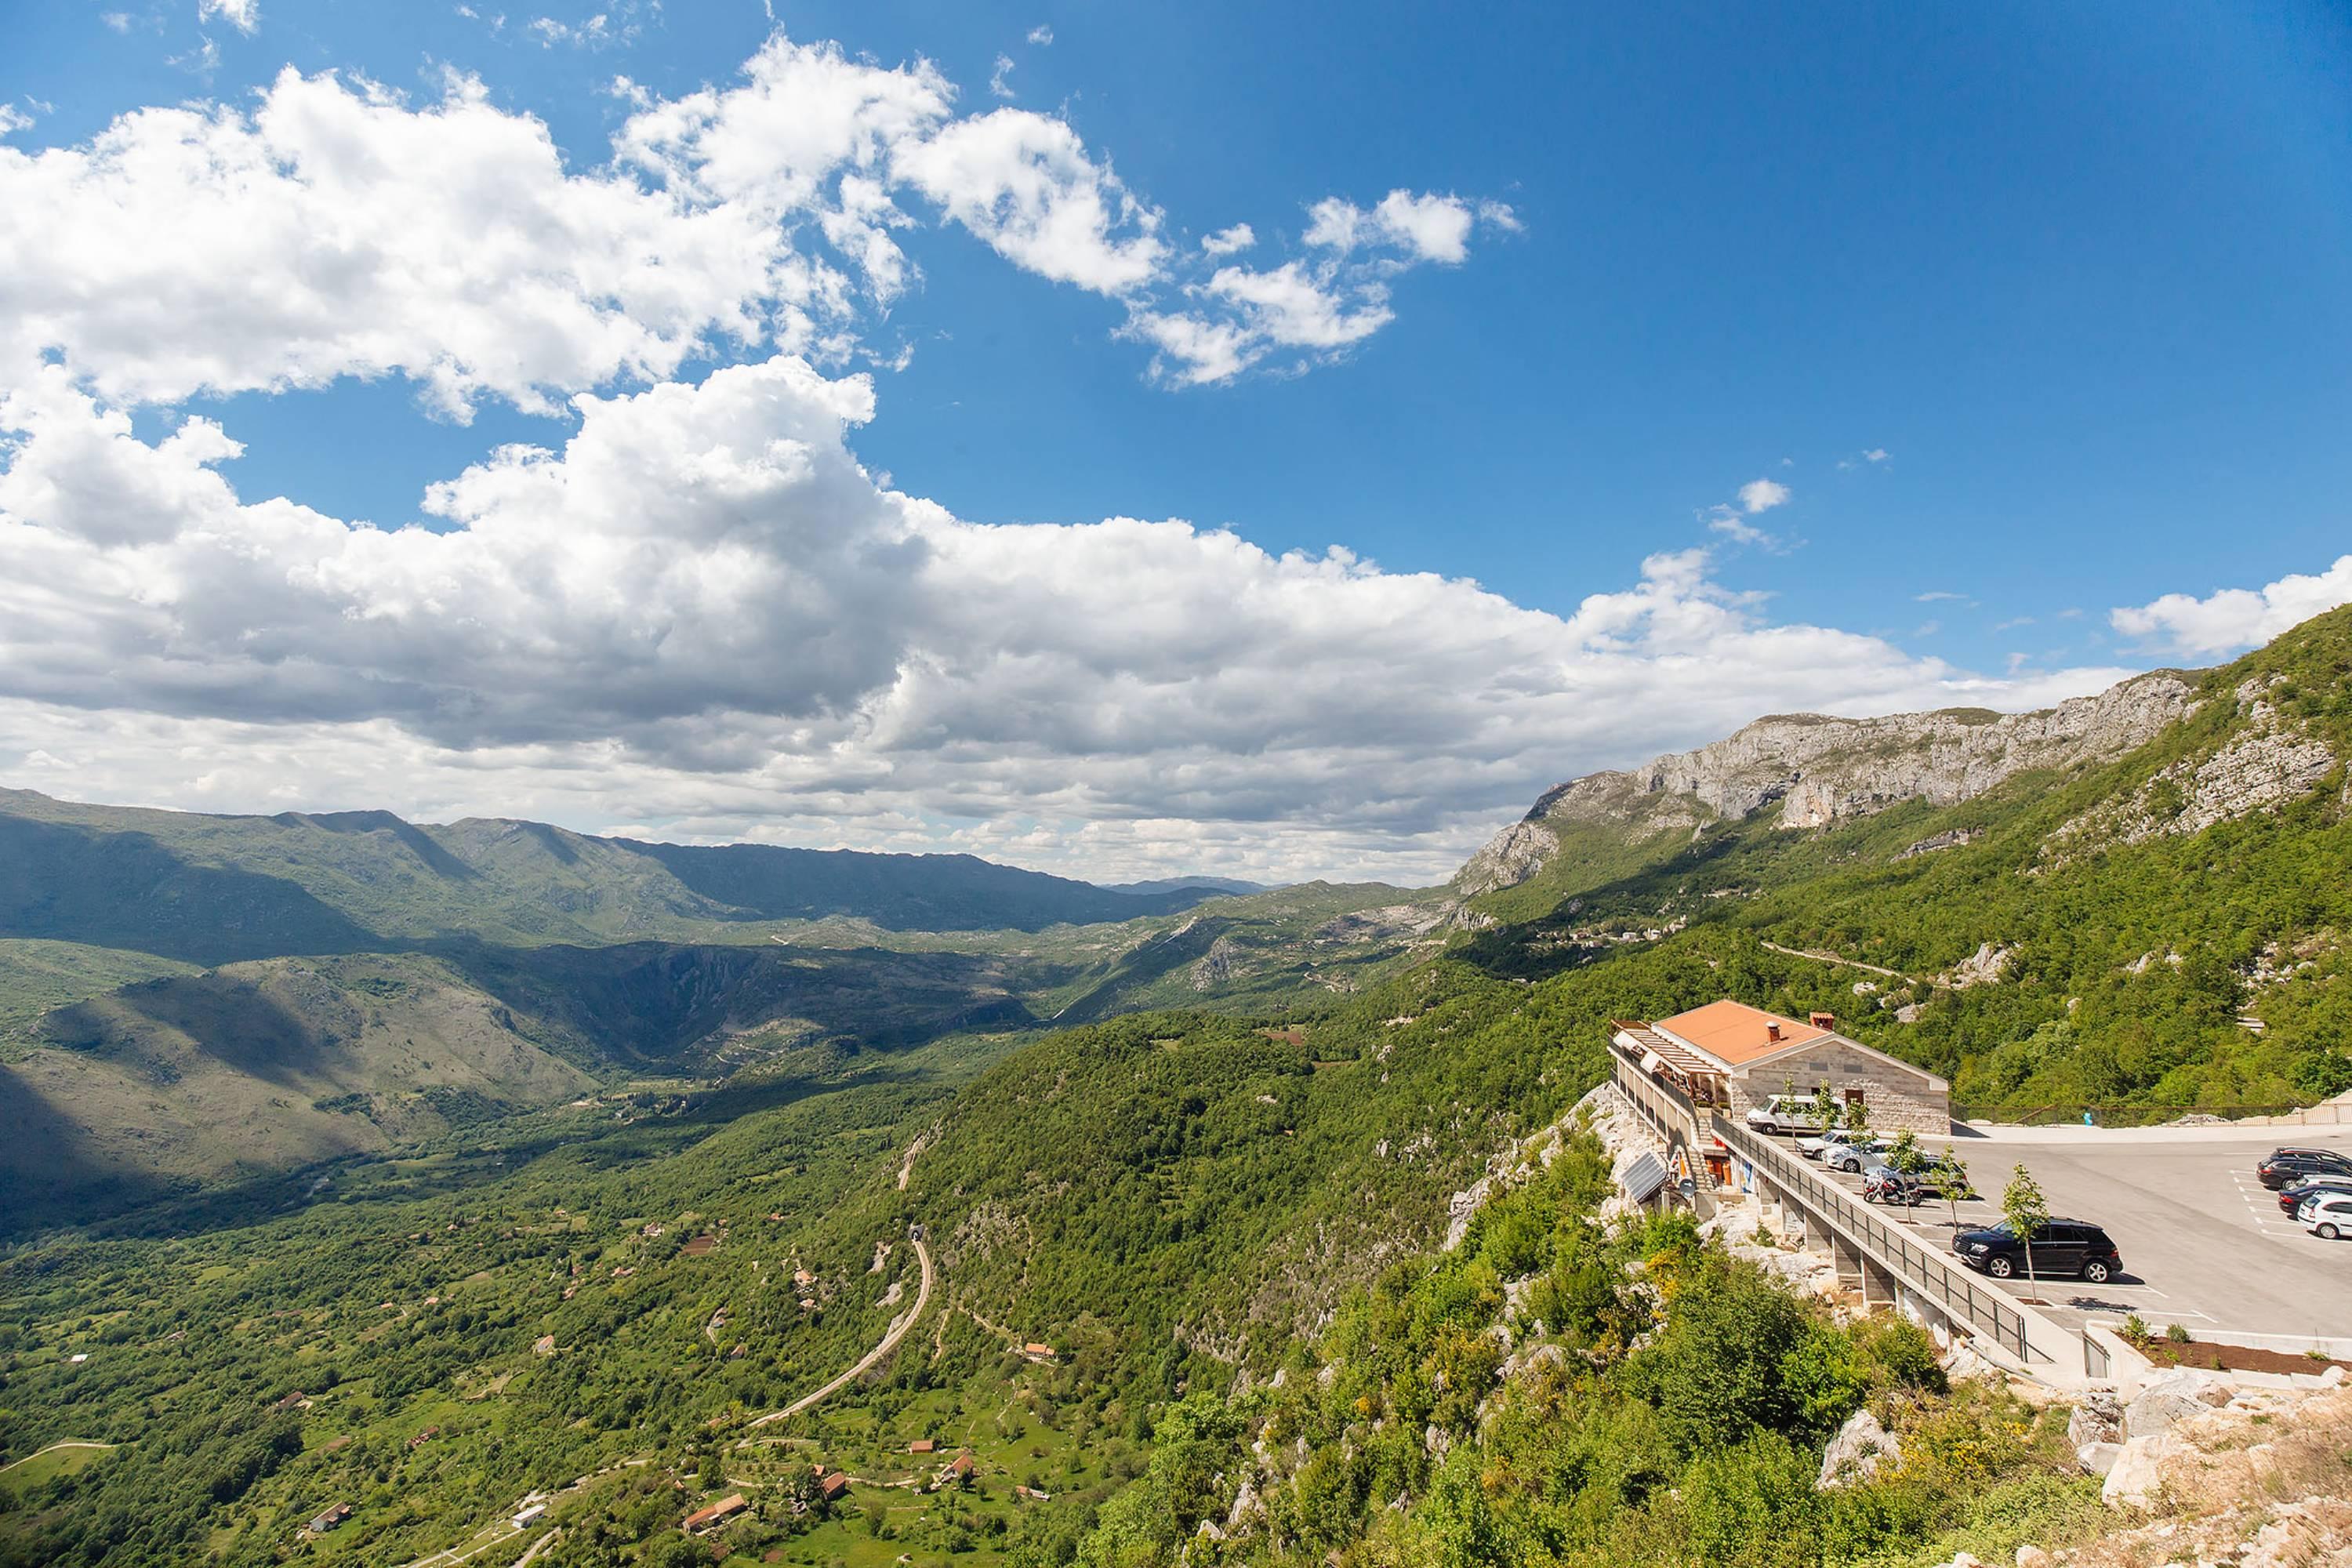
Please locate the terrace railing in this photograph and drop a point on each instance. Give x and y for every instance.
(1923, 1268)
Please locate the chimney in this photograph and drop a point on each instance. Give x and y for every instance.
(1772, 1030)
(1826, 1020)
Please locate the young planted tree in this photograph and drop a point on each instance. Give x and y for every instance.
(1956, 1182)
(1905, 1154)
(2026, 1211)
(1825, 1107)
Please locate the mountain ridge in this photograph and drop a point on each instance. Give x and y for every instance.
(348, 881)
(1821, 769)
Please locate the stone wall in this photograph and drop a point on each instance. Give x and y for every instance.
(1897, 1097)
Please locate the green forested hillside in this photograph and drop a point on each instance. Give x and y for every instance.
(2128, 941)
(1223, 1218)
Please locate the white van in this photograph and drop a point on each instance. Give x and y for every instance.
(1785, 1114)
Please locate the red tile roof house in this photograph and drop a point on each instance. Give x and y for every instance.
(833, 1486)
(923, 1446)
(720, 1512)
(1734, 1056)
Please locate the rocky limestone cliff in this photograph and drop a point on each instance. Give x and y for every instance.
(1823, 769)
(2267, 762)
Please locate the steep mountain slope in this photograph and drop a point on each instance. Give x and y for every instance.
(1817, 770)
(214, 889)
(2162, 926)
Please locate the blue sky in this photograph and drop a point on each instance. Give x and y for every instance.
(2038, 314)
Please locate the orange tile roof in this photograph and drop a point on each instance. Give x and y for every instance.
(1736, 1034)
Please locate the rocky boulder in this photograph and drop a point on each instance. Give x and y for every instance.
(1857, 1451)
(2171, 1396)
(2136, 1476)
(2098, 1458)
(2099, 1418)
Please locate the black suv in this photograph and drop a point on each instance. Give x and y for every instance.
(2291, 1164)
(2061, 1247)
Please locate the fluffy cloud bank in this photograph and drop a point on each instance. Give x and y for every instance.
(338, 229)
(2235, 620)
(701, 615)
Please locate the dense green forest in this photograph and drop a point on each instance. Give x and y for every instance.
(1667, 1404)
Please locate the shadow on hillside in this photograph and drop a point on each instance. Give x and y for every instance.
(645, 1003)
(1132, 972)
(52, 1175)
(230, 1019)
(898, 892)
(120, 1208)
(419, 842)
(126, 891)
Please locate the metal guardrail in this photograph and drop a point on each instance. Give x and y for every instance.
(1922, 1268)
(2328, 1113)
(1678, 1117)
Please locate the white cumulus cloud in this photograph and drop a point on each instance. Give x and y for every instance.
(244, 15)
(1225, 241)
(2236, 618)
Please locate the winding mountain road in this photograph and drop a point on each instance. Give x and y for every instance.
(872, 1358)
(69, 1443)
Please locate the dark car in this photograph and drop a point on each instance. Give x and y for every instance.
(2292, 1195)
(2288, 1165)
(2061, 1247)
(1885, 1184)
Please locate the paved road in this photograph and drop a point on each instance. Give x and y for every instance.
(872, 1359)
(2204, 1243)
(69, 1443)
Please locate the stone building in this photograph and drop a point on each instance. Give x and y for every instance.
(1730, 1057)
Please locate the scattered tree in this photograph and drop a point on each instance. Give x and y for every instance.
(2025, 1210)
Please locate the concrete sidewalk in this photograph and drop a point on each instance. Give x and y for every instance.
(1966, 1135)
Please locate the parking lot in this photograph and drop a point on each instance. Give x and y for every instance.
(2204, 1243)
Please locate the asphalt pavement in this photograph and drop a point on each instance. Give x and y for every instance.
(2204, 1244)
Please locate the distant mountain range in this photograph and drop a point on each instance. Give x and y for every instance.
(1185, 884)
(212, 890)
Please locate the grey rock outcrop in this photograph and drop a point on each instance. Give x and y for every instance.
(2099, 1418)
(2171, 1396)
(2269, 760)
(1509, 858)
(2098, 1458)
(1821, 769)
(1860, 1445)
(2136, 1475)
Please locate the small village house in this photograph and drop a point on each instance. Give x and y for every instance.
(715, 1514)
